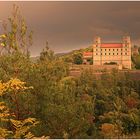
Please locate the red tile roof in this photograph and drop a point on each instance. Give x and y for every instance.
(111, 45)
(87, 53)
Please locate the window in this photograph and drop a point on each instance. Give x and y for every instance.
(121, 49)
(117, 53)
(113, 53)
(101, 49)
(109, 49)
(109, 53)
(96, 49)
(113, 49)
(125, 53)
(105, 53)
(126, 49)
(117, 49)
(96, 53)
(101, 53)
(121, 53)
(105, 49)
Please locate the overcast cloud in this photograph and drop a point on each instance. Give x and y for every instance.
(71, 25)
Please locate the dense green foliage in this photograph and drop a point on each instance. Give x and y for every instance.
(136, 58)
(136, 61)
(74, 107)
(65, 106)
(76, 56)
(77, 59)
(111, 63)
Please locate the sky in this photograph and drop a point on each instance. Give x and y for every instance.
(70, 25)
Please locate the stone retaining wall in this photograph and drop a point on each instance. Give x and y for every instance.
(94, 67)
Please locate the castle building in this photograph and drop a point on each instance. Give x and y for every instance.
(110, 53)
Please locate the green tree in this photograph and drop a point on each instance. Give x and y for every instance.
(11, 123)
(16, 36)
(77, 58)
(137, 61)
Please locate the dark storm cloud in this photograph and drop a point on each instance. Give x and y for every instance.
(71, 25)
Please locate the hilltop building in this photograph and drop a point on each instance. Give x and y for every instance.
(110, 53)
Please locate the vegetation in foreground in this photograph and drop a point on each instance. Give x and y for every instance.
(40, 99)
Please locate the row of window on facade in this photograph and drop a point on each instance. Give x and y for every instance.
(110, 49)
(99, 46)
(112, 54)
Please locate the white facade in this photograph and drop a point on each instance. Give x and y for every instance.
(119, 53)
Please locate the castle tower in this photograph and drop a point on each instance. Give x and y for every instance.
(97, 51)
(126, 40)
(126, 52)
(97, 40)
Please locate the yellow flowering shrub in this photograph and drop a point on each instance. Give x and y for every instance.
(2, 88)
(4, 115)
(3, 40)
(4, 112)
(13, 84)
(2, 44)
(16, 84)
(22, 127)
(3, 36)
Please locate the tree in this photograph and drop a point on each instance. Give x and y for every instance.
(47, 54)
(77, 58)
(137, 61)
(11, 125)
(16, 37)
(108, 130)
(59, 105)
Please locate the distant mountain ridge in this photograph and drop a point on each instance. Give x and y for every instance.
(35, 58)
